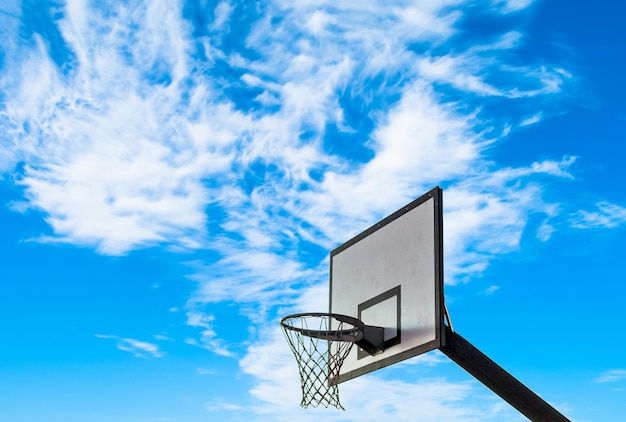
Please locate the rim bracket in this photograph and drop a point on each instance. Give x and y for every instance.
(373, 341)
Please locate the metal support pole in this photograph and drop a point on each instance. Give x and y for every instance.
(498, 380)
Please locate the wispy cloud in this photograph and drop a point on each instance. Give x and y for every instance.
(491, 289)
(497, 202)
(535, 118)
(113, 156)
(128, 154)
(219, 405)
(477, 71)
(611, 376)
(162, 337)
(606, 215)
(206, 371)
(208, 337)
(508, 6)
(140, 349)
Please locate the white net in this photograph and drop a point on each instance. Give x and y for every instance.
(320, 344)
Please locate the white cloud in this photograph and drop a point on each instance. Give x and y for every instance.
(206, 371)
(217, 405)
(416, 145)
(487, 203)
(248, 275)
(606, 215)
(115, 159)
(454, 71)
(508, 6)
(222, 12)
(545, 231)
(140, 349)
(208, 337)
(473, 70)
(491, 289)
(611, 376)
(535, 118)
(162, 337)
(130, 154)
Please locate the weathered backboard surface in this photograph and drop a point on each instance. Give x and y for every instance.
(391, 276)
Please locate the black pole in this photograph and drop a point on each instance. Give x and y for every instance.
(498, 380)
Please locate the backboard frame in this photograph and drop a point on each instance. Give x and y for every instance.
(395, 291)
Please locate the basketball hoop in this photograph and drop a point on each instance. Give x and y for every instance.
(321, 342)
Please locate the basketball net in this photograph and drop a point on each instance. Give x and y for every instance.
(319, 354)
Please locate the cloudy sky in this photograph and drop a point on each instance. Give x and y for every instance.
(173, 175)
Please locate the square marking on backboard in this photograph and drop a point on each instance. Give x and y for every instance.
(383, 311)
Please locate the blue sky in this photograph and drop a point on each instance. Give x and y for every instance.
(174, 174)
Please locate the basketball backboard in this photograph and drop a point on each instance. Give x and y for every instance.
(391, 276)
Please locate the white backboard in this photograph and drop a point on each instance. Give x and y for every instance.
(391, 276)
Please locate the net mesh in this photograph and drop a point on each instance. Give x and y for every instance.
(320, 344)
